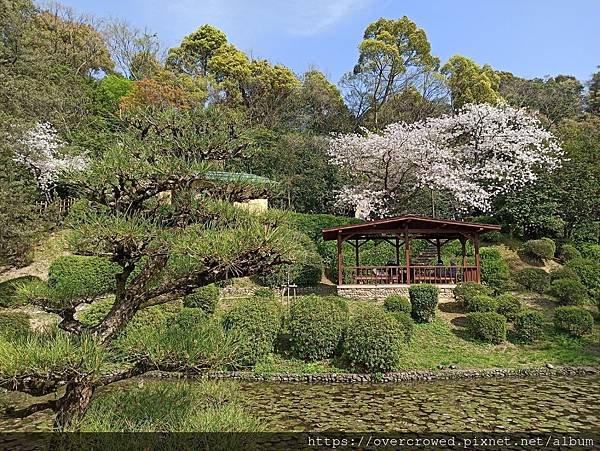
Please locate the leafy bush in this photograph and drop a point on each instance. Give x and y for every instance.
(95, 312)
(590, 251)
(568, 252)
(424, 300)
(175, 407)
(14, 324)
(539, 250)
(482, 303)
(374, 339)
(76, 276)
(256, 321)
(487, 326)
(494, 270)
(406, 324)
(8, 289)
(397, 303)
(569, 291)
(316, 327)
(185, 340)
(509, 306)
(528, 326)
(305, 272)
(204, 298)
(588, 272)
(492, 237)
(563, 272)
(265, 293)
(573, 320)
(534, 279)
(464, 292)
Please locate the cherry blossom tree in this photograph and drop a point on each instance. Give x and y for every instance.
(41, 150)
(475, 155)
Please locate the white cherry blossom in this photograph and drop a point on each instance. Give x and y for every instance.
(476, 154)
(42, 151)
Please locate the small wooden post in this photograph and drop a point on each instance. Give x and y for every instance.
(407, 256)
(397, 251)
(477, 259)
(340, 257)
(463, 244)
(356, 254)
(439, 250)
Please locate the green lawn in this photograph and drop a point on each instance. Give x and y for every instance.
(438, 343)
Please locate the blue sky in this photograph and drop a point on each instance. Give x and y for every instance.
(531, 38)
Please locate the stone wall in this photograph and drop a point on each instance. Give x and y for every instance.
(405, 376)
(380, 292)
(233, 292)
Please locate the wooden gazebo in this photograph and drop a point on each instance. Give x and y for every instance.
(399, 232)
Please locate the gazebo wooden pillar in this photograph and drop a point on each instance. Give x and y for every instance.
(477, 258)
(340, 257)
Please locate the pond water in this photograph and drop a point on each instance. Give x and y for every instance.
(563, 404)
(558, 404)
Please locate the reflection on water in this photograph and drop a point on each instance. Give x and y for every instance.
(560, 404)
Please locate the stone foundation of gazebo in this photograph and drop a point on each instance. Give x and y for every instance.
(380, 292)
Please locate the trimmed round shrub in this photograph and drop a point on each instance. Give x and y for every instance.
(316, 327)
(487, 326)
(77, 276)
(424, 300)
(540, 250)
(534, 279)
(588, 272)
(568, 252)
(92, 314)
(563, 273)
(397, 303)
(8, 289)
(204, 298)
(256, 322)
(464, 292)
(494, 270)
(374, 340)
(482, 303)
(573, 320)
(569, 292)
(14, 324)
(528, 326)
(508, 306)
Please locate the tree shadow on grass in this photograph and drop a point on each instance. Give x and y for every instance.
(451, 307)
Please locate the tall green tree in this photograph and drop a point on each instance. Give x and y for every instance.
(578, 181)
(471, 83)
(394, 55)
(556, 98)
(196, 49)
(593, 99)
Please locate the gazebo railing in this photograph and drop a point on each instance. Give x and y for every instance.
(386, 275)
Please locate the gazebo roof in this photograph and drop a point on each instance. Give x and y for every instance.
(414, 225)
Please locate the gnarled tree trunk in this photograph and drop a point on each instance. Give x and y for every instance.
(73, 404)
